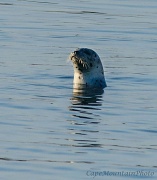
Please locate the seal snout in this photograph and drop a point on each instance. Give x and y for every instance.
(75, 56)
(76, 52)
(78, 60)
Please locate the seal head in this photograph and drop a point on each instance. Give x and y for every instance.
(88, 69)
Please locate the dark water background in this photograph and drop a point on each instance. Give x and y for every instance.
(47, 131)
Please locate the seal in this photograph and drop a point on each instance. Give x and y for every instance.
(88, 69)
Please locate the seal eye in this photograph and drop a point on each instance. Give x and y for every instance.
(91, 65)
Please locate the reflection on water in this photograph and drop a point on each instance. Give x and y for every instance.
(86, 96)
(85, 106)
(84, 100)
(44, 138)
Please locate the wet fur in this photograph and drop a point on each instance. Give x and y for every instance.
(88, 69)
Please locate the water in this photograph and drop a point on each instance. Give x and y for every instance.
(49, 132)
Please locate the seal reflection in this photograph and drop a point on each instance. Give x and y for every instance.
(90, 97)
(85, 119)
(85, 101)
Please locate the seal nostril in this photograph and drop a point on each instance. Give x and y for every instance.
(76, 52)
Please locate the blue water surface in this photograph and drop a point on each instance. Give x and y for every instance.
(48, 131)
